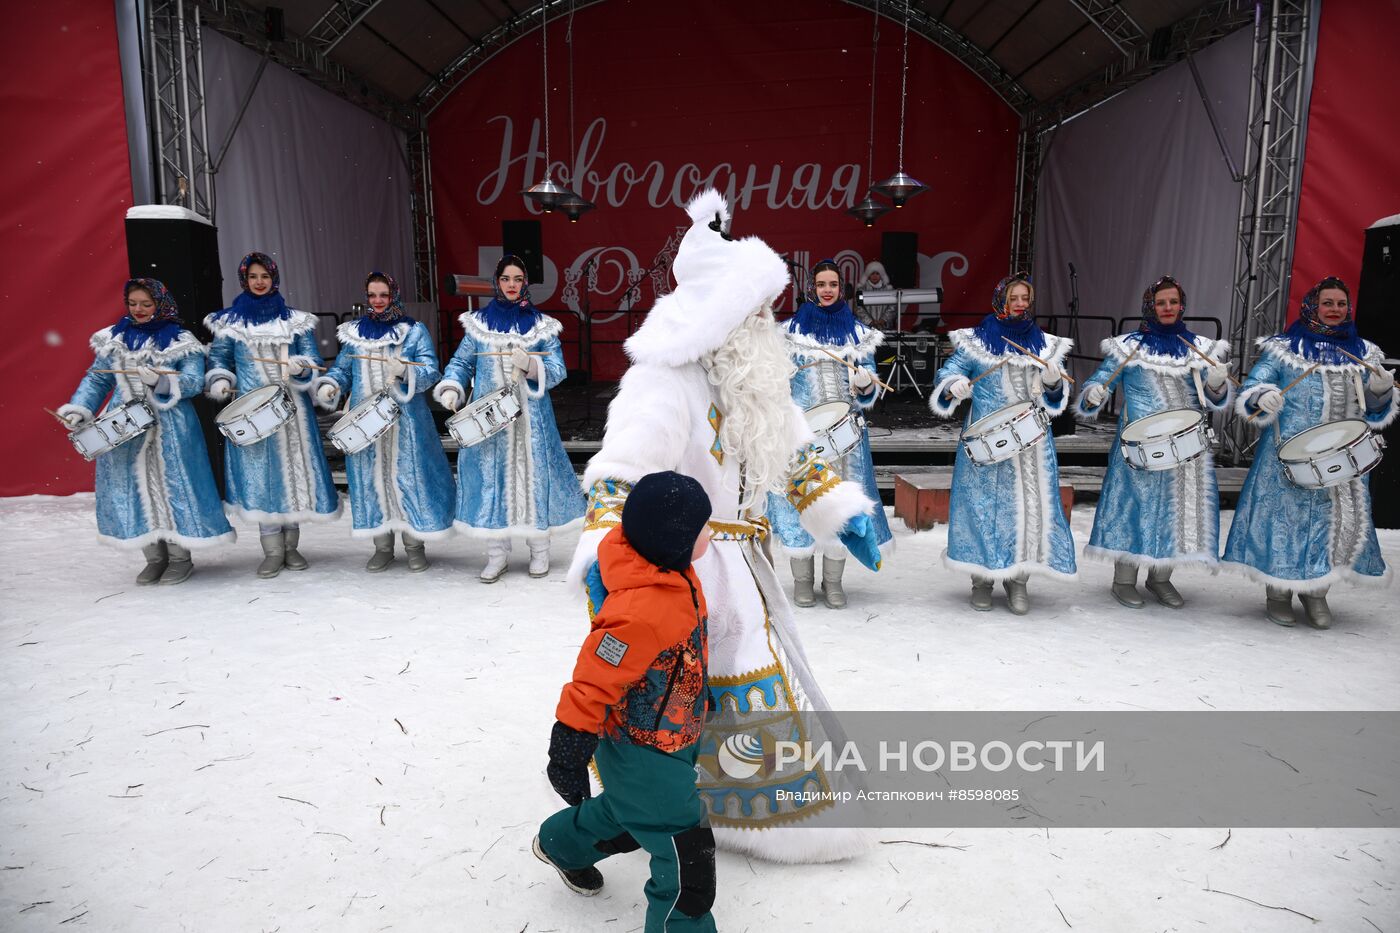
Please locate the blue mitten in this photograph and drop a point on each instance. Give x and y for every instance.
(859, 538)
(597, 592)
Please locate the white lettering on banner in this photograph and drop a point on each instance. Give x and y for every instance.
(802, 190)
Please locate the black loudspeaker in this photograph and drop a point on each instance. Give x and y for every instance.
(522, 237)
(1377, 296)
(899, 252)
(275, 22)
(184, 254)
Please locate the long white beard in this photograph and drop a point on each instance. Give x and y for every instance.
(751, 373)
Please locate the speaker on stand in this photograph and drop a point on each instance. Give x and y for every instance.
(181, 248)
(1377, 297)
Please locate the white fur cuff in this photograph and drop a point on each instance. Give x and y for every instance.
(1250, 397)
(935, 400)
(452, 384)
(316, 392)
(827, 515)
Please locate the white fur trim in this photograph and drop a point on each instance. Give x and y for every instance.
(1278, 346)
(316, 392)
(282, 518)
(151, 537)
(1264, 418)
(71, 409)
(514, 531)
(537, 370)
(1308, 587)
(409, 383)
(1109, 556)
(219, 373)
(303, 382)
(349, 335)
(704, 206)
(455, 386)
(1028, 567)
(825, 517)
(474, 325)
(1386, 420)
(935, 399)
(396, 525)
(280, 330)
(808, 348)
(585, 555)
(1056, 349)
(810, 550)
(172, 401)
(1120, 348)
(184, 344)
(796, 844)
(649, 423)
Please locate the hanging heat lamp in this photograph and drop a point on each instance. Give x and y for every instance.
(900, 187)
(870, 210)
(575, 205)
(547, 194)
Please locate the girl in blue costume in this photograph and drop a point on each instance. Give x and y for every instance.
(402, 482)
(1005, 519)
(1159, 519)
(282, 480)
(156, 493)
(519, 481)
(1297, 540)
(824, 324)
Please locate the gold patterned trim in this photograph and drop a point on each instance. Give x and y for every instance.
(739, 531)
(605, 501)
(739, 680)
(810, 479)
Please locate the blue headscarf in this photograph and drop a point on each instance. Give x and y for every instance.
(249, 309)
(164, 325)
(1002, 324)
(1154, 336)
(373, 324)
(1319, 342)
(835, 324)
(503, 315)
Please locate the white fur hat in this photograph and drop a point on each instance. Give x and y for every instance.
(719, 283)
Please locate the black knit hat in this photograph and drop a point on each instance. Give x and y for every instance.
(663, 516)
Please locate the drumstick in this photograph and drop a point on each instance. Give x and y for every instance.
(1359, 360)
(1212, 362)
(1067, 376)
(1125, 362)
(382, 359)
(1305, 374)
(510, 352)
(132, 372)
(852, 367)
(990, 371)
(259, 359)
(61, 420)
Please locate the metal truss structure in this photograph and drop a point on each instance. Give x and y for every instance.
(1116, 23)
(179, 129)
(420, 171)
(337, 22)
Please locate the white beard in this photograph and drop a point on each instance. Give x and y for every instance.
(751, 372)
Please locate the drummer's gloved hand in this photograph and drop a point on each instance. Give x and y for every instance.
(326, 394)
(450, 398)
(519, 363)
(960, 387)
(862, 380)
(1094, 394)
(1380, 382)
(1216, 375)
(1050, 375)
(1270, 400)
(859, 538)
(75, 419)
(296, 366)
(395, 368)
(147, 375)
(219, 390)
(569, 751)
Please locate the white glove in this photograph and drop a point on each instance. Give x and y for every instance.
(1270, 400)
(394, 369)
(148, 375)
(450, 399)
(1380, 382)
(75, 419)
(297, 366)
(220, 390)
(960, 387)
(1216, 375)
(326, 394)
(1050, 375)
(1094, 394)
(861, 380)
(519, 363)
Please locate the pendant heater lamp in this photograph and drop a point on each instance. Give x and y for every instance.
(575, 207)
(900, 187)
(547, 194)
(870, 210)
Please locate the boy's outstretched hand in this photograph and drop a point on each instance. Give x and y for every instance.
(569, 752)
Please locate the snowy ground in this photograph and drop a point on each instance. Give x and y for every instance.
(337, 751)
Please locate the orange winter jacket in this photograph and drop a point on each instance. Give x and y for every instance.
(640, 676)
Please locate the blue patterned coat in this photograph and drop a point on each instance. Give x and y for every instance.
(1005, 519)
(161, 487)
(518, 481)
(283, 478)
(401, 482)
(1160, 517)
(826, 381)
(1298, 539)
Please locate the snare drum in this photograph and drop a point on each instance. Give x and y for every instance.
(1005, 433)
(365, 423)
(256, 416)
(838, 428)
(1165, 440)
(113, 429)
(1330, 454)
(488, 415)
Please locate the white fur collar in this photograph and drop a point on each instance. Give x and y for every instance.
(476, 328)
(185, 343)
(965, 340)
(1120, 348)
(808, 347)
(1277, 346)
(279, 330)
(349, 335)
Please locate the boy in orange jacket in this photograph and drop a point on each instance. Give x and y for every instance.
(640, 682)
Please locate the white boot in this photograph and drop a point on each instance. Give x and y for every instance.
(497, 559)
(539, 557)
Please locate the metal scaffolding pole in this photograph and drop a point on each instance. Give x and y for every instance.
(424, 234)
(175, 77)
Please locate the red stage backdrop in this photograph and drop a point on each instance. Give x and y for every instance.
(768, 102)
(1349, 169)
(65, 195)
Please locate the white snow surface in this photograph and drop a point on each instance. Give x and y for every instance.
(334, 750)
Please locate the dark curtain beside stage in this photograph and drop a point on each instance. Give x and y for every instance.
(67, 186)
